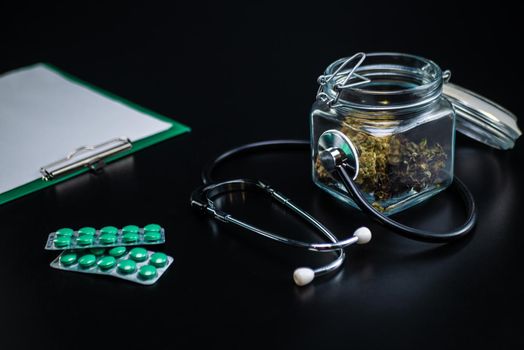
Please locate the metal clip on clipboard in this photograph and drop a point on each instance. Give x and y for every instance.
(87, 156)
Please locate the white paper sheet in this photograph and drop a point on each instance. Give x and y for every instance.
(44, 116)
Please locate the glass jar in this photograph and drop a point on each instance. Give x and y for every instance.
(390, 106)
(397, 114)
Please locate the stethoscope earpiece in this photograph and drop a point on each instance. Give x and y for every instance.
(363, 234)
(304, 275)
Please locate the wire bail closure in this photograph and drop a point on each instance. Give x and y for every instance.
(338, 87)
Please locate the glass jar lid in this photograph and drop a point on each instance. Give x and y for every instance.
(482, 119)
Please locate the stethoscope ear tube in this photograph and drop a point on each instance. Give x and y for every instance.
(345, 174)
(203, 200)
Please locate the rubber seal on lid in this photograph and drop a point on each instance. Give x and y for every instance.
(482, 119)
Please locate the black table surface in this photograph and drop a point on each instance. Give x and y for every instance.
(243, 73)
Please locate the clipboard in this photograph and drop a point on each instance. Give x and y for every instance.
(85, 157)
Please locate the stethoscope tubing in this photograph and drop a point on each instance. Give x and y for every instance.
(202, 198)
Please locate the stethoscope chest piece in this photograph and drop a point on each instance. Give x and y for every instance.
(335, 149)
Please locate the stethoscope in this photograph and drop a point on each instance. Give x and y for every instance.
(339, 156)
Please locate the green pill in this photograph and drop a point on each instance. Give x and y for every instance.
(152, 236)
(138, 254)
(152, 228)
(61, 242)
(117, 251)
(130, 229)
(109, 229)
(97, 251)
(158, 259)
(68, 259)
(147, 272)
(130, 237)
(87, 260)
(64, 232)
(107, 238)
(85, 240)
(86, 231)
(126, 267)
(106, 262)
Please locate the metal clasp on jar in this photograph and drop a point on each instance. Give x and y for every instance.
(338, 87)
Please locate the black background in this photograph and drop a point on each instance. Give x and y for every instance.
(239, 73)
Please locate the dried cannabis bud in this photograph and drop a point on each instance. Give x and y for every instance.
(391, 165)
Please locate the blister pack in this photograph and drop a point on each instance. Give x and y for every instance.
(136, 264)
(109, 236)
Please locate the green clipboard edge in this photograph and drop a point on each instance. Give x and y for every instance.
(176, 129)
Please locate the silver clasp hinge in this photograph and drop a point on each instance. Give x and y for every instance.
(338, 87)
